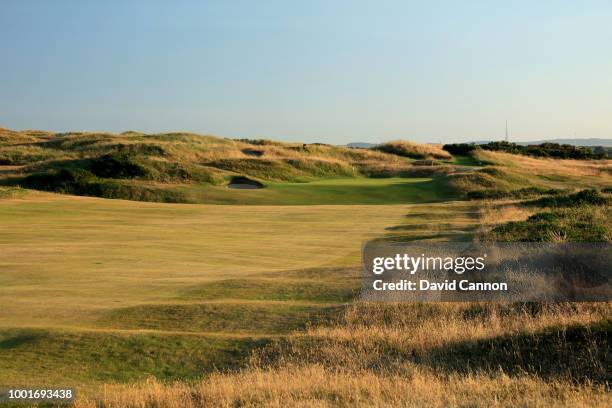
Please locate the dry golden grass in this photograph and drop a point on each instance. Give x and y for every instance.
(221, 157)
(367, 331)
(378, 355)
(315, 386)
(498, 212)
(411, 354)
(415, 150)
(530, 166)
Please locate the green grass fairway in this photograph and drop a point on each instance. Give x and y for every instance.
(67, 259)
(42, 356)
(95, 289)
(328, 191)
(98, 290)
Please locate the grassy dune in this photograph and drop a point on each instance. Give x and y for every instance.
(553, 172)
(190, 168)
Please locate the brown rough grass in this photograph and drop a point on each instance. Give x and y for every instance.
(547, 167)
(373, 357)
(414, 150)
(315, 386)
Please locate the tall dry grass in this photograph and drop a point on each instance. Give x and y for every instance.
(532, 166)
(497, 212)
(398, 355)
(39, 150)
(316, 386)
(414, 150)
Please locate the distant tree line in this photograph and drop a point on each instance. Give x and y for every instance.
(554, 150)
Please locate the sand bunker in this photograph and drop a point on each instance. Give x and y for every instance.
(245, 183)
(253, 152)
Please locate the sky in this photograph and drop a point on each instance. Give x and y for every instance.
(313, 71)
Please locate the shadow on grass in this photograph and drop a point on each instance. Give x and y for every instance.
(230, 318)
(19, 340)
(59, 357)
(578, 353)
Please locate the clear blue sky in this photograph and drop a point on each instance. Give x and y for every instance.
(327, 71)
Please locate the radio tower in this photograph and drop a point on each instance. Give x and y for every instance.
(506, 130)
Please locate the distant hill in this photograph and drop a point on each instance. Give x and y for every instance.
(363, 145)
(574, 142)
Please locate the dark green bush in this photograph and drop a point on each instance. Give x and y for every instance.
(571, 225)
(461, 149)
(144, 149)
(584, 197)
(554, 150)
(118, 165)
(545, 217)
(63, 181)
(83, 182)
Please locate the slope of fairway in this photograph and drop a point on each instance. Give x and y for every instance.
(328, 191)
(117, 290)
(64, 259)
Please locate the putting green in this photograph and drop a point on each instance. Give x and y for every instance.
(342, 191)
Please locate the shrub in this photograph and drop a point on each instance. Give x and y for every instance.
(553, 150)
(584, 197)
(118, 165)
(83, 182)
(461, 149)
(63, 181)
(285, 170)
(581, 224)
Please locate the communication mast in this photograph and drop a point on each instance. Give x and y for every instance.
(506, 130)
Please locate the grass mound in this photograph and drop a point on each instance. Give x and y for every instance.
(321, 290)
(254, 318)
(577, 353)
(121, 166)
(525, 192)
(189, 166)
(395, 338)
(285, 169)
(413, 150)
(580, 224)
(85, 183)
(173, 161)
(584, 216)
(81, 357)
(12, 156)
(493, 182)
(477, 181)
